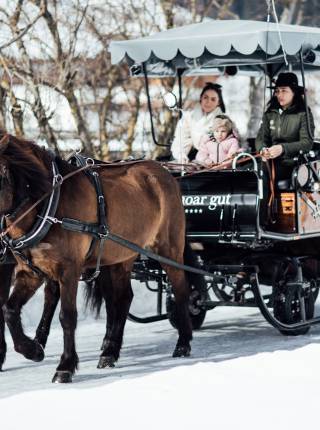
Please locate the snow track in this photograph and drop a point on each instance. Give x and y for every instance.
(241, 370)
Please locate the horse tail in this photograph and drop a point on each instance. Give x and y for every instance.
(93, 293)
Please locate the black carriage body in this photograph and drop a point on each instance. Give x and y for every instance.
(221, 206)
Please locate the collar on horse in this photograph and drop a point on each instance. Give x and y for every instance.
(43, 222)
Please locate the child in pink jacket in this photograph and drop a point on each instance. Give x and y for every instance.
(218, 145)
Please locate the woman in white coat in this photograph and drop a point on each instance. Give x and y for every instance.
(195, 123)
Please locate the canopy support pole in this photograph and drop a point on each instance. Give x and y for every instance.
(144, 69)
(179, 73)
(305, 96)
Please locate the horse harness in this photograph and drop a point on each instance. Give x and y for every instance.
(47, 218)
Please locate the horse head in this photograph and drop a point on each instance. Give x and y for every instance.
(25, 171)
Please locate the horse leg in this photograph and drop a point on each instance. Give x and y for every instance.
(108, 328)
(104, 283)
(25, 286)
(181, 293)
(68, 319)
(6, 271)
(51, 300)
(96, 292)
(118, 297)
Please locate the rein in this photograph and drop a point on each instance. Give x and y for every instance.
(91, 165)
(101, 231)
(220, 166)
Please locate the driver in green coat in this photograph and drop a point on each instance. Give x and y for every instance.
(284, 129)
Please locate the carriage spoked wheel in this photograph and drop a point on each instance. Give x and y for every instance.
(196, 311)
(290, 298)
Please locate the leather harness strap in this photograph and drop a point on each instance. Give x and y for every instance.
(98, 231)
(272, 176)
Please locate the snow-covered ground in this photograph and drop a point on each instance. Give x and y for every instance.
(242, 374)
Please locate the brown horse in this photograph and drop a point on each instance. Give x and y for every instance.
(144, 206)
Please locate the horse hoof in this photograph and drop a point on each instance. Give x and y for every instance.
(181, 351)
(62, 377)
(35, 353)
(32, 350)
(38, 353)
(108, 361)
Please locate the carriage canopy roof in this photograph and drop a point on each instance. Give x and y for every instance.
(211, 44)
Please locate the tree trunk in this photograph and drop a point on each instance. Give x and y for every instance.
(83, 131)
(132, 125)
(256, 106)
(3, 96)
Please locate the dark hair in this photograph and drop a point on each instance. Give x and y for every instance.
(297, 102)
(218, 89)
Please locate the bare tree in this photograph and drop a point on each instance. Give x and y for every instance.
(7, 92)
(69, 60)
(27, 64)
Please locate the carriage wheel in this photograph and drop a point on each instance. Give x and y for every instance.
(198, 294)
(311, 277)
(287, 301)
(197, 312)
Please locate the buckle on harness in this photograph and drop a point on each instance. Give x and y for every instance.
(52, 220)
(89, 162)
(19, 244)
(58, 179)
(103, 232)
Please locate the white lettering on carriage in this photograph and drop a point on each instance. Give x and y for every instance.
(219, 201)
(211, 201)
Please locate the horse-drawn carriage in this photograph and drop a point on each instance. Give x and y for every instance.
(60, 219)
(225, 233)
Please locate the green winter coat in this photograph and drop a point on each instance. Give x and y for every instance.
(288, 129)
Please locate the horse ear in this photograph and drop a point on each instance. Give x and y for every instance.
(4, 143)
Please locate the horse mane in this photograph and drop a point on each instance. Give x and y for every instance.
(29, 165)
